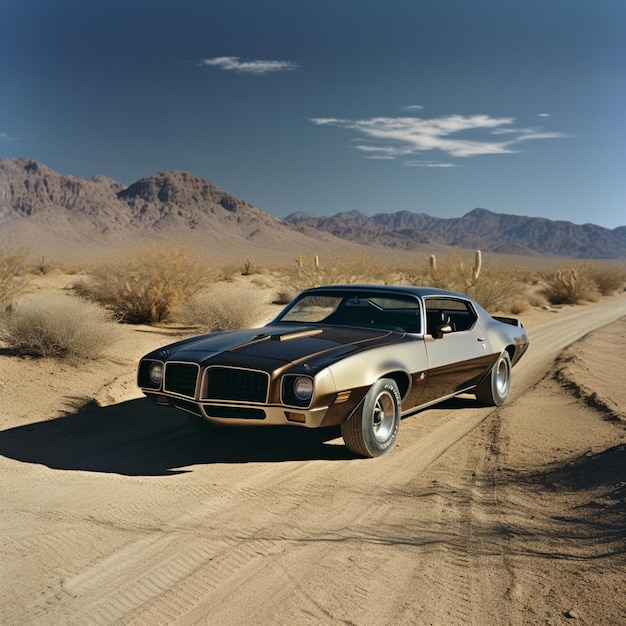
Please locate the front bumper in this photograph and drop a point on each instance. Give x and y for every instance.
(241, 414)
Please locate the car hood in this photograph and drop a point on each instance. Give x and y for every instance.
(278, 343)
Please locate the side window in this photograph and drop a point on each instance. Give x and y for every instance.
(458, 313)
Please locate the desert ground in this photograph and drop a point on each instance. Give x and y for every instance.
(118, 512)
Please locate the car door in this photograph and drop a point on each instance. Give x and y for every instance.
(457, 359)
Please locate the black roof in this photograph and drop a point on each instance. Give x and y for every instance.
(420, 292)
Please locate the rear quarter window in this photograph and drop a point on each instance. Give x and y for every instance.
(460, 314)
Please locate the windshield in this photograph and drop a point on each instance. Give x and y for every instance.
(370, 310)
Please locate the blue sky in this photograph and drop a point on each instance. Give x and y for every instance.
(433, 106)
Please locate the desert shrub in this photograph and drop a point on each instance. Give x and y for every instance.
(314, 272)
(250, 267)
(453, 273)
(60, 326)
(608, 279)
(499, 290)
(13, 280)
(492, 286)
(223, 307)
(262, 281)
(148, 286)
(571, 286)
(516, 306)
(285, 295)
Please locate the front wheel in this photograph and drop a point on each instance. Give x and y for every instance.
(495, 388)
(372, 429)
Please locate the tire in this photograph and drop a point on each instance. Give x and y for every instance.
(494, 390)
(372, 429)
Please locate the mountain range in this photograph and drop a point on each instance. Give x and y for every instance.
(480, 228)
(55, 213)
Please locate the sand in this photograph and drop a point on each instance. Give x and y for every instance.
(118, 512)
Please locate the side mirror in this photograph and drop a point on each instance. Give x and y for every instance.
(442, 330)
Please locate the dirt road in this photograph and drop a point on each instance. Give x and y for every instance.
(115, 512)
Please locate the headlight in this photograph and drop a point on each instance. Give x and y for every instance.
(303, 388)
(155, 373)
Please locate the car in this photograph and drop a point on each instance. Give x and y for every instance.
(358, 356)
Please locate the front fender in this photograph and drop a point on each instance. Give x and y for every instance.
(398, 361)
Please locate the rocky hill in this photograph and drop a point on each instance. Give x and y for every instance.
(54, 213)
(499, 233)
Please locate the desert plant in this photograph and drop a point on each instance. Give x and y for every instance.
(285, 295)
(13, 280)
(313, 272)
(492, 286)
(251, 267)
(608, 279)
(149, 285)
(61, 326)
(571, 286)
(453, 273)
(223, 307)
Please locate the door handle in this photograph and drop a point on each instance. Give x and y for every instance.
(480, 339)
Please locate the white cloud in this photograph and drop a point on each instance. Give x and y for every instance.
(234, 64)
(455, 135)
(429, 164)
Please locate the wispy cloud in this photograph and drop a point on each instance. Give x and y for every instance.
(5, 137)
(454, 135)
(428, 164)
(235, 64)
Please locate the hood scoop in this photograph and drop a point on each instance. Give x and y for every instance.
(299, 335)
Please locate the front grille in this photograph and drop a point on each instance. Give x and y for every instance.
(245, 413)
(228, 383)
(181, 378)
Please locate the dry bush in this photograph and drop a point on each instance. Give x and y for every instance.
(285, 295)
(251, 266)
(59, 326)
(148, 286)
(499, 290)
(452, 273)
(608, 279)
(264, 282)
(571, 286)
(315, 272)
(516, 306)
(223, 307)
(493, 286)
(13, 280)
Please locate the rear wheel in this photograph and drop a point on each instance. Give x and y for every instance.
(495, 388)
(373, 428)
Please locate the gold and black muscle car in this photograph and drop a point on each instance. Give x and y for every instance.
(361, 356)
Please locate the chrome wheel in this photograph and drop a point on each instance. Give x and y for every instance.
(372, 429)
(494, 390)
(384, 415)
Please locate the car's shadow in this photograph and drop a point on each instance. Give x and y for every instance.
(136, 438)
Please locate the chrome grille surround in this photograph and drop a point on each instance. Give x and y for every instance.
(180, 378)
(235, 384)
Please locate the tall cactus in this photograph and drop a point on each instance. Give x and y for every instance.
(478, 261)
(433, 265)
